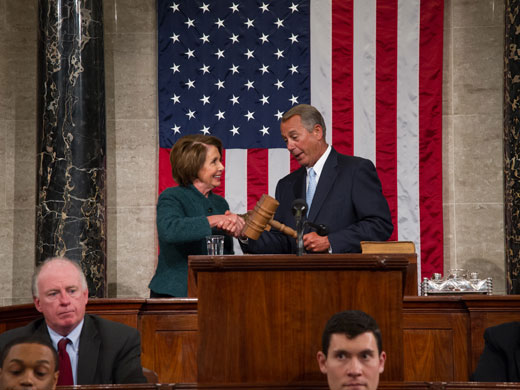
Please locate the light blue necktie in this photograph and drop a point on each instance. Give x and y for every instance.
(311, 188)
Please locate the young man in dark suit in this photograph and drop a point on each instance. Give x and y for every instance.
(92, 350)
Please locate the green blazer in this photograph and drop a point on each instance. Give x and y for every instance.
(182, 227)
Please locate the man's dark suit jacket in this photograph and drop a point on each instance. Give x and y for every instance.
(348, 200)
(500, 361)
(109, 352)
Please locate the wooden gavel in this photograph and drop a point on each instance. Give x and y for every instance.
(261, 218)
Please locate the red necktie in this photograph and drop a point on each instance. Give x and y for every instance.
(65, 367)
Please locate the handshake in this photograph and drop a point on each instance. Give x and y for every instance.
(254, 222)
(260, 219)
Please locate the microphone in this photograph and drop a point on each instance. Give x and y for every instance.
(321, 229)
(299, 209)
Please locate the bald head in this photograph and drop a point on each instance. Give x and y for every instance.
(55, 260)
(60, 293)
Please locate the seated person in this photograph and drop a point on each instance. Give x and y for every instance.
(97, 351)
(500, 360)
(28, 363)
(352, 353)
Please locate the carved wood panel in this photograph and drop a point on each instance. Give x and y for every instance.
(169, 345)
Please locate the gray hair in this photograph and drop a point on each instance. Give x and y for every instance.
(309, 114)
(39, 268)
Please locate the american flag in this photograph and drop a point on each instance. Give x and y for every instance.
(372, 67)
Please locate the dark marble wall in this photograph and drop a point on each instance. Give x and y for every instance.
(512, 145)
(71, 161)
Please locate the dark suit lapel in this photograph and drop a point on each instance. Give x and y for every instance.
(516, 376)
(300, 184)
(327, 178)
(42, 332)
(88, 352)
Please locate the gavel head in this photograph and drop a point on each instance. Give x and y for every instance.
(260, 216)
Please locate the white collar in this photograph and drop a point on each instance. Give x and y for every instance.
(318, 167)
(73, 336)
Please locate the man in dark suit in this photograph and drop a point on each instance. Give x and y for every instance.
(500, 360)
(96, 351)
(347, 195)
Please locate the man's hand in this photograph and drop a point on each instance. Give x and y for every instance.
(315, 243)
(232, 224)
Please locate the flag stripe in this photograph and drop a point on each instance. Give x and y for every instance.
(321, 61)
(236, 179)
(221, 189)
(386, 103)
(342, 77)
(165, 170)
(430, 134)
(407, 123)
(257, 181)
(364, 78)
(278, 160)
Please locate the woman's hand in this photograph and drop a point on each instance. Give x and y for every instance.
(229, 222)
(232, 224)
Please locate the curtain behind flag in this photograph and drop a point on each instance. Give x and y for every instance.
(372, 67)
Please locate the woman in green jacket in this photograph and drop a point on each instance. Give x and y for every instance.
(188, 213)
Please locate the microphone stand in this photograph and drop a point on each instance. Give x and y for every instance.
(299, 234)
(299, 208)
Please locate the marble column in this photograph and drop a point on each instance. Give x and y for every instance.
(512, 145)
(71, 198)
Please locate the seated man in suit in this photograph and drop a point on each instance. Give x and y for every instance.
(28, 363)
(352, 353)
(342, 192)
(500, 360)
(92, 350)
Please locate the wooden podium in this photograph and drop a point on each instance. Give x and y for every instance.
(260, 317)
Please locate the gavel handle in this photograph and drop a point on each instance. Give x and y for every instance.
(283, 228)
(275, 224)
